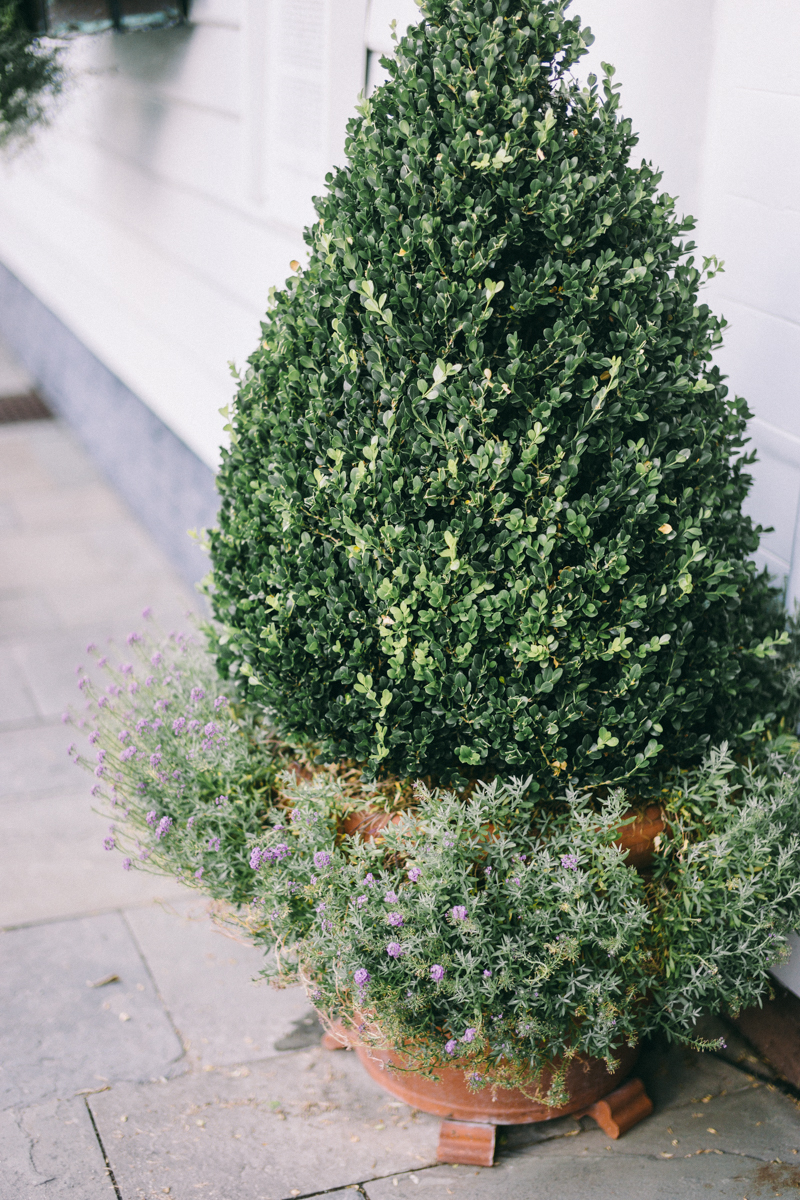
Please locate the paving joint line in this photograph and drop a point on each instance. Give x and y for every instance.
(181, 1039)
(109, 1169)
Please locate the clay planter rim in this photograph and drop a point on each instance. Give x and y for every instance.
(636, 836)
(450, 1097)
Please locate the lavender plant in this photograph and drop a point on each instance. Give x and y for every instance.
(502, 945)
(186, 774)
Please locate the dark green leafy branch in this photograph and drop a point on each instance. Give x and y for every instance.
(482, 507)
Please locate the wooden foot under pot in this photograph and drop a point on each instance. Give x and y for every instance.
(473, 1143)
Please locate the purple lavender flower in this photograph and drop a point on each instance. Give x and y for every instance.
(395, 918)
(218, 703)
(196, 694)
(394, 949)
(437, 973)
(191, 821)
(569, 862)
(144, 855)
(213, 843)
(109, 843)
(459, 913)
(123, 735)
(294, 814)
(162, 704)
(369, 880)
(141, 724)
(99, 772)
(101, 662)
(71, 748)
(128, 753)
(469, 1035)
(164, 826)
(451, 1046)
(361, 977)
(133, 637)
(255, 858)
(210, 730)
(151, 817)
(155, 759)
(149, 681)
(279, 852)
(488, 870)
(94, 736)
(126, 864)
(516, 880)
(179, 725)
(361, 901)
(147, 613)
(94, 789)
(487, 974)
(391, 897)
(83, 683)
(157, 658)
(224, 800)
(90, 649)
(126, 668)
(65, 718)
(199, 873)
(101, 702)
(322, 859)
(133, 687)
(414, 874)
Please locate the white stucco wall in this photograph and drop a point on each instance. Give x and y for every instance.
(714, 90)
(172, 190)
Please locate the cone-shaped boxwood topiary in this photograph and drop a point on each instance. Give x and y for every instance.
(482, 507)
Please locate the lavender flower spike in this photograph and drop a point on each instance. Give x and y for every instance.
(361, 977)
(459, 913)
(394, 949)
(437, 973)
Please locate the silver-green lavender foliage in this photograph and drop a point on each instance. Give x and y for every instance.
(185, 780)
(497, 934)
(467, 938)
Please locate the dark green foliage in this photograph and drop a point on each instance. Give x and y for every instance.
(482, 506)
(30, 75)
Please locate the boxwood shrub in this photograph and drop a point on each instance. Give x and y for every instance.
(482, 506)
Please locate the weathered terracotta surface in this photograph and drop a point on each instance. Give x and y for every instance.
(638, 838)
(621, 1109)
(587, 1081)
(368, 822)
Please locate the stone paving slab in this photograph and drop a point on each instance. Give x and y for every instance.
(640, 1177)
(70, 874)
(291, 1126)
(203, 977)
(58, 1036)
(34, 762)
(50, 1151)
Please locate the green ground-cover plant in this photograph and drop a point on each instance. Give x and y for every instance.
(482, 504)
(31, 75)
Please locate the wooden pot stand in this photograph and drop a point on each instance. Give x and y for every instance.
(473, 1143)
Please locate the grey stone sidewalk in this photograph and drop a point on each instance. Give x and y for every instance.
(180, 1077)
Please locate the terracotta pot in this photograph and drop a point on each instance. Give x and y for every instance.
(638, 838)
(368, 822)
(588, 1080)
